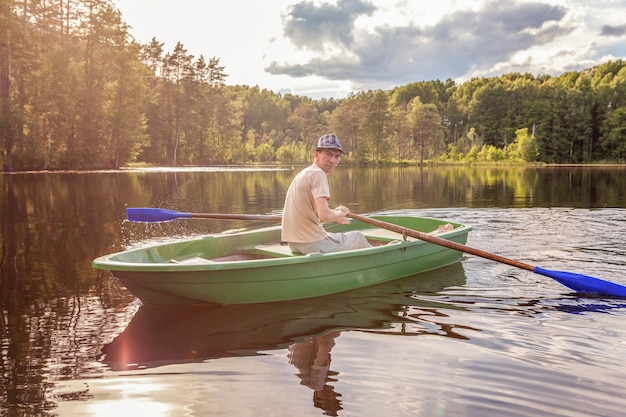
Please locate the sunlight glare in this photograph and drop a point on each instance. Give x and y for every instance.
(137, 400)
(140, 407)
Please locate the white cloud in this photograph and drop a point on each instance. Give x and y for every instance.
(326, 48)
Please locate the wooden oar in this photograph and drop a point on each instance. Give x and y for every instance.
(155, 215)
(577, 282)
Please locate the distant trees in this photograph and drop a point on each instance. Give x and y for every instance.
(188, 117)
(76, 86)
(77, 92)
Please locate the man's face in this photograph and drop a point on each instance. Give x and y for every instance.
(327, 159)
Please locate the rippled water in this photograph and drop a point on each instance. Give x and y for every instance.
(478, 338)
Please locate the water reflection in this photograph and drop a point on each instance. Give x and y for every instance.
(312, 359)
(590, 305)
(56, 310)
(161, 334)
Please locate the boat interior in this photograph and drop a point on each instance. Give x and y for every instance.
(376, 237)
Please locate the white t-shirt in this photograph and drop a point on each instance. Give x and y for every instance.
(300, 222)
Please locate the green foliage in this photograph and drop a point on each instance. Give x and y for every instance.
(472, 155)
(614, 138)
(83, 95)
(524, 148)
(264, 153)
(293, 153)
(489, 153)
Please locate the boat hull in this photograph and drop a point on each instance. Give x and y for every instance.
(215, 269)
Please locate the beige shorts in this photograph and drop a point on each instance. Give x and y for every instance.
(334, 242)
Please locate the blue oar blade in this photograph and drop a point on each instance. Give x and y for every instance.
(584, 283)
(153, 215)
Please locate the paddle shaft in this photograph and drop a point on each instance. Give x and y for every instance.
(260, 217)
(441, 242)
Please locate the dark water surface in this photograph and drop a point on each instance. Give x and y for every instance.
(475, 339)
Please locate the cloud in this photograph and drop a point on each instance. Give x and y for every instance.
(311, 27)
(462, 42)
(617, 31)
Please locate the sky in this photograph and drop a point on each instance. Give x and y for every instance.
(330, 48)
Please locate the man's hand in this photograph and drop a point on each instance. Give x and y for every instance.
(341, 213)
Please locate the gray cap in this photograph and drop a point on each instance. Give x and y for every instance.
(329, 142)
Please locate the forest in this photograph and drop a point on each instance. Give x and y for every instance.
(78, 92)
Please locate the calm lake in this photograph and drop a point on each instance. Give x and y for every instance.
(478, 338)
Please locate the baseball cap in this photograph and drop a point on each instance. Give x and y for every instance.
(329, 142)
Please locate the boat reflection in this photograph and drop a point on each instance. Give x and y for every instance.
(161, 334)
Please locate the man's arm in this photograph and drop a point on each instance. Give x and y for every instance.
(325, 213)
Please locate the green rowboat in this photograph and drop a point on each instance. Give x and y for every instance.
(254, 267)
(160, 334)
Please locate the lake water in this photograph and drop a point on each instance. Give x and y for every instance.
(478, 338)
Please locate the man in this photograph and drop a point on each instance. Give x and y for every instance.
(306, 206)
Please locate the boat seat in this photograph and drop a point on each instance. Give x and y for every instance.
(276, 250)
(196, 260)
(384, 234)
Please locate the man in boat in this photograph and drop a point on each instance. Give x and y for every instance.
(306, 206)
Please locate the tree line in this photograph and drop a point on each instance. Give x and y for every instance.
(77, 92)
